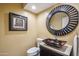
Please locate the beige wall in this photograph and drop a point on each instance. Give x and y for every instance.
(16, 42)
(43, 32)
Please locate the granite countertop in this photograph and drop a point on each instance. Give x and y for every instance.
(65, 50)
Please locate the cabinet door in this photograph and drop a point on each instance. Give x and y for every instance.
(46, 52)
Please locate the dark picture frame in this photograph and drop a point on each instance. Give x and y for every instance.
(17, 22)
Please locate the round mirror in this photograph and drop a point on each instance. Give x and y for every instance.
(59, 21)
(62, 20)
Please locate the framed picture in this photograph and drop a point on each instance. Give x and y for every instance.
(17, 22)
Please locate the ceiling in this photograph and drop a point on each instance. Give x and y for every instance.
(37, 7)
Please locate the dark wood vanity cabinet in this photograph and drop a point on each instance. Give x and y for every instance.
(46, 52)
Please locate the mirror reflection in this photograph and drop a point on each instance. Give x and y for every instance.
(59, 21)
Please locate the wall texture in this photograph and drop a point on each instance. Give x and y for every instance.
(16, 42)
